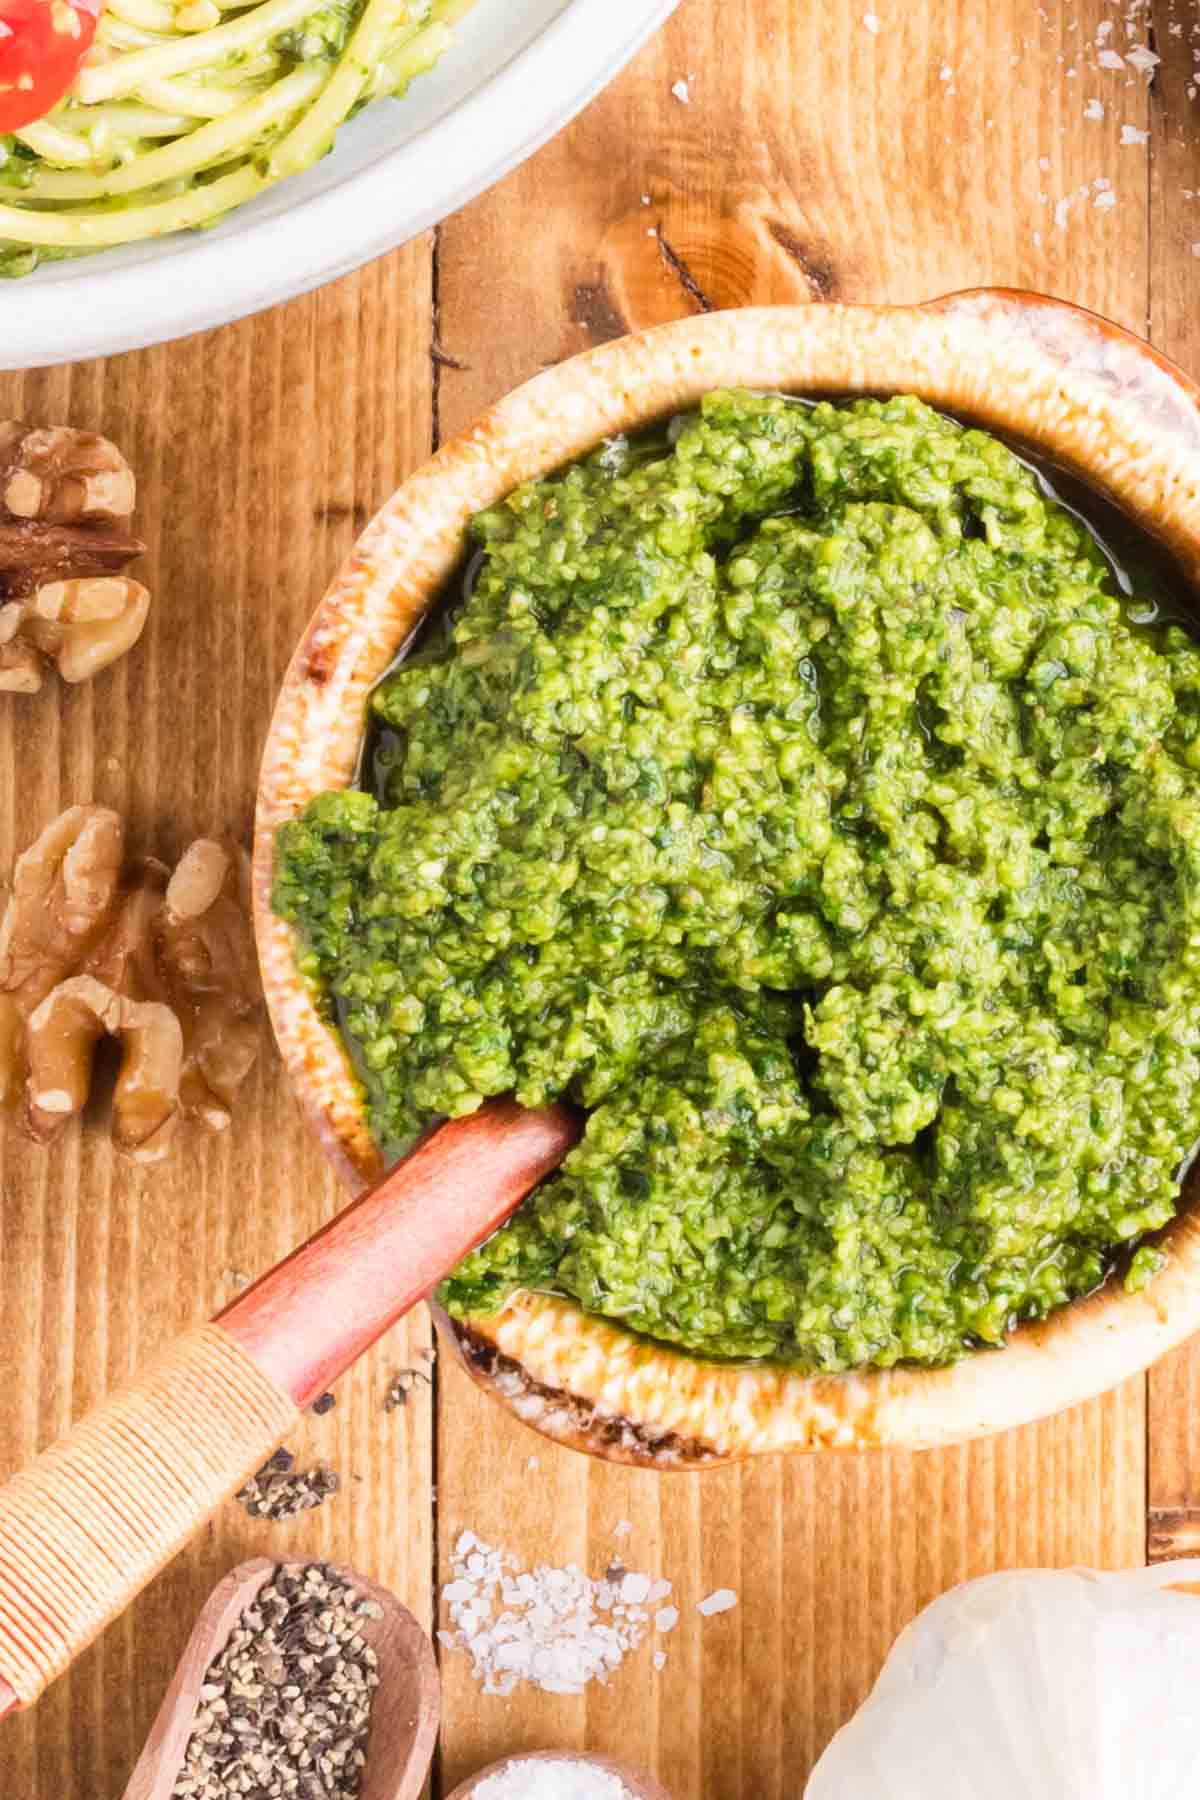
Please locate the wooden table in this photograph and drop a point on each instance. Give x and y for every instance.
(814, 159)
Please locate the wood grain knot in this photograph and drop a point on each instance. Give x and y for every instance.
(1172, 1531)
(595, 310)
(333, 512)
(665, 260)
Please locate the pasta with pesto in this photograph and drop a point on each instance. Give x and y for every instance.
(184, 109)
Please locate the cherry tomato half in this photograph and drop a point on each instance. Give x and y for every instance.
(42, 43)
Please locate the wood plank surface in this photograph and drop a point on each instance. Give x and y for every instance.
(261, 451)
(962, 142)
(1173, 1473)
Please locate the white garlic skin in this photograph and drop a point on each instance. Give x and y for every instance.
(1041, 1684)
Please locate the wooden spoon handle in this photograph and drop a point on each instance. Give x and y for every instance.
(87, 1524)
(96, 1516)
(321, 1307)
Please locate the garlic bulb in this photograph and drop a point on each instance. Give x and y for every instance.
(1040, 1685)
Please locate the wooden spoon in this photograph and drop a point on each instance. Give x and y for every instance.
(98, 1514)
(641, 1787)
(404, 1712)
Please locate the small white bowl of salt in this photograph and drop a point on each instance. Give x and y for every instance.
(559, 1775)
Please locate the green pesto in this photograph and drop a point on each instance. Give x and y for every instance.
(799, 797)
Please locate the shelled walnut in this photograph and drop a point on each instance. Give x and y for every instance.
(163, 963)
(66, 498)
(206, 952)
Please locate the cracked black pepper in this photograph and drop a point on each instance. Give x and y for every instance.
(285, 1709)
(279, 1490)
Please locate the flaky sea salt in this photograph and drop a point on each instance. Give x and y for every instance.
(681, 92)
(871, 21)
(723, 1600)
(1094, 109)
(1133, 134)
(1111, 59)
(556, 1780)
(1143, 59)
(558, 1629)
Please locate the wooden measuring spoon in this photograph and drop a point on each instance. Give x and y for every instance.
(404, 1711)
(641, 1787)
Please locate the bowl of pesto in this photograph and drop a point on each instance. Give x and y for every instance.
(735, 737)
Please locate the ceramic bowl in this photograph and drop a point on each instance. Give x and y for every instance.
(1068, 385)
(520, 69)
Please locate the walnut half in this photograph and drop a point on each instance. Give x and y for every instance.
(62, 1038)
(162, 963)
(66, 499)
(206, 952)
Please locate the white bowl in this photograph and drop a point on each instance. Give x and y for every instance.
(519, 71)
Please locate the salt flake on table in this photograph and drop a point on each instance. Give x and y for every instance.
(1133, 134)
(1110, 59)
(871, 21)
(558, 1629)
(723, 1600)
(666, 1619)
(1094, 109)
(1143, 59)
(680, 91)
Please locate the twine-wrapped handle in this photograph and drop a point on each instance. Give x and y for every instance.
(89, 1523)
(101, 1512)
